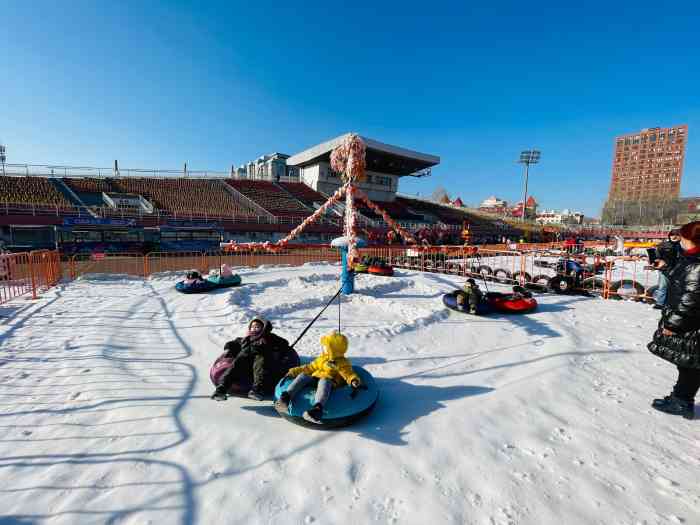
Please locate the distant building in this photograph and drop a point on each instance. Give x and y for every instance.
(559, 217)
(531, 208)
(385, 165)
(270, 167)
(648, 164)
(494, 205)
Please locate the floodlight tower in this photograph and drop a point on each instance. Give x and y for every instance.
(3, 158)
(528, 157)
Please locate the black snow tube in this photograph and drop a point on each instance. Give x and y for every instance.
(527, 278)
(561, 284)
(450, 300)
(502, 276)
(539, 283)
(454, 268)
(485, 271)
(649, 296)
(626, 284)
(593, 283)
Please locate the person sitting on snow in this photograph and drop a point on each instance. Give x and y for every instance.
(331, 369)
(226, 271)
(470, 296)
(260, 346)
(223, 272)
(192, 277)
(520, 292)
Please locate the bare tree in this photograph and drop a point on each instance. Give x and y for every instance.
(440, 195)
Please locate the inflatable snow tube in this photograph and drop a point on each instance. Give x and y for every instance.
(593, 284)
(561, 284)
(454, 268)
(539, 283)
(198, 287)
(507, 303)
(360, 268)
(244, 383)
(209, 284)
(502, 276)
(341, 409)
(484, 271)
(522, 278)
(626, 289)
(649, 295)
(387, 271)
(225, 282)
(450, 300)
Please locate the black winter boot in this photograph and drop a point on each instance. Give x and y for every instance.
(660, 402)
(282, 404)
(677, 407)
(256, 394)
(219, 394)
(314, 414)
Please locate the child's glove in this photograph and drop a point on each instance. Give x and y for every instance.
(356, 387)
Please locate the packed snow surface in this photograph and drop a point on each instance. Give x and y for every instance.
(105, 414)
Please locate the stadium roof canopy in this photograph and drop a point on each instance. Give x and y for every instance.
(381, 158)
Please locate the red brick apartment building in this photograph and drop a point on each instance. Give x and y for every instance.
(648, 164)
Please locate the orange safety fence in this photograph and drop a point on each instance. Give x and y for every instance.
(614, 277)
(136, 264)
(28, 272)
(546, 268)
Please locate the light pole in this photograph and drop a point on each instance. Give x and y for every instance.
(528, 157)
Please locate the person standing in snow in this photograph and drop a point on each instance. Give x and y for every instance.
(667, 255)
(677, 338)
(260, 349)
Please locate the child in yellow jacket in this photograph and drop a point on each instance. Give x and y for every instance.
(330, 369)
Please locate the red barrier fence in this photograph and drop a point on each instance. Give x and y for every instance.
(29, 272)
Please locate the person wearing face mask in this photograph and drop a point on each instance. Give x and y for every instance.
(677, 338)
(666, 256)
(260, 349)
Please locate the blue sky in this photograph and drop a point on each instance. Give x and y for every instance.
(155, 84)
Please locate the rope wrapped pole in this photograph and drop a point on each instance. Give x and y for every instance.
(349, 159)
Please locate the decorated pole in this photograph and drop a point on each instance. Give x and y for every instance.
(348, 159)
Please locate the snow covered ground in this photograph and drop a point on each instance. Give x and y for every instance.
(105, 414)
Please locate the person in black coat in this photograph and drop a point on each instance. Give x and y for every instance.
(677, 338)
(667, 254)
(260, 351)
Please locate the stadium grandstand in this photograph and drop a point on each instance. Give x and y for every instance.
(103, 210)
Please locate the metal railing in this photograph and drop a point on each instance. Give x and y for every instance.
(613, 277)
(59, 171)
(139, 265)
(28, 272)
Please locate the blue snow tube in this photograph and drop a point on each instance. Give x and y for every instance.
(198, 287)
(450, 300)
(225, 282)
(340, 410)
(209, 284)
